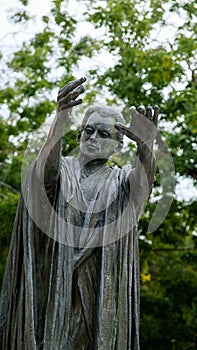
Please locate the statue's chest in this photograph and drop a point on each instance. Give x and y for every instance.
(90, 190)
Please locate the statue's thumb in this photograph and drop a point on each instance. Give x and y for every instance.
(126, 131)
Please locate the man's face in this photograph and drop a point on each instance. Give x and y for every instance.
(98, 138)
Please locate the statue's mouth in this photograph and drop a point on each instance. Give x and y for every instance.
(92, 146)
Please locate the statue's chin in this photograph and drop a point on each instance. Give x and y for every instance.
(86, 157)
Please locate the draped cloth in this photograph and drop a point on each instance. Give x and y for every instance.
(72, 276)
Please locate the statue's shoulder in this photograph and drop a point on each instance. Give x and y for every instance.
(68, 158)
(68, 161)
(122, 174)
(125, 169)
(69, 165)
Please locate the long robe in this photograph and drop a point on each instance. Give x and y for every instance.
(72, 276)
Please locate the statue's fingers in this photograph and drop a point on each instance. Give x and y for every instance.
(70, 104)
(156, 115)
(141, 109)
(134, 113)
(132, 110)
(120, 127)
(126, 131)
(72, 95)
(149, 112)
(70, 86)
(76, 92)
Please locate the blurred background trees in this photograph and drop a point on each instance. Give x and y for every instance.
(132, 53)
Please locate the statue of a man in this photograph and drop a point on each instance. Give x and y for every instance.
(71, 280)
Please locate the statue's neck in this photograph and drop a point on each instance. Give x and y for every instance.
(89, 167)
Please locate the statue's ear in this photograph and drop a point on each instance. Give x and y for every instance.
(79, 136)
(119, 146)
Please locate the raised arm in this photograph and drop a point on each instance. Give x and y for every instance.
(143, 130)
(49, 158)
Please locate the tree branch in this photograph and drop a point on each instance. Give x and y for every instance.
(172, 249)
(3, 184)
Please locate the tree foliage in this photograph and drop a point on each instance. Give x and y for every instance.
(153, 46)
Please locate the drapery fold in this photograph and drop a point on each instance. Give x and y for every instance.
(73, 261)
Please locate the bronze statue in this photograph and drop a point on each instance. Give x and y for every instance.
(72, 277)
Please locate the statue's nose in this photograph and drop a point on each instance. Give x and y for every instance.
(94, 135)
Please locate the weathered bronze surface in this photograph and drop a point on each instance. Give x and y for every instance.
(72, 276)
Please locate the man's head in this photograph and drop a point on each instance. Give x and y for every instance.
(98, 137)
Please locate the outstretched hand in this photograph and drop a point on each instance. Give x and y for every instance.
(143, 125)
(67, 96)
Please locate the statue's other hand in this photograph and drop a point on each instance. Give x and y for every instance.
(67, 96)
(143, 125)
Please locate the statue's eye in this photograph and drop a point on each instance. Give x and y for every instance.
(105, 134)
(89, 130)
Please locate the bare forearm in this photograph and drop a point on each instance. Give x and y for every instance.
(145, 164)
(141, 179)
(49, 158)
(142, 130)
